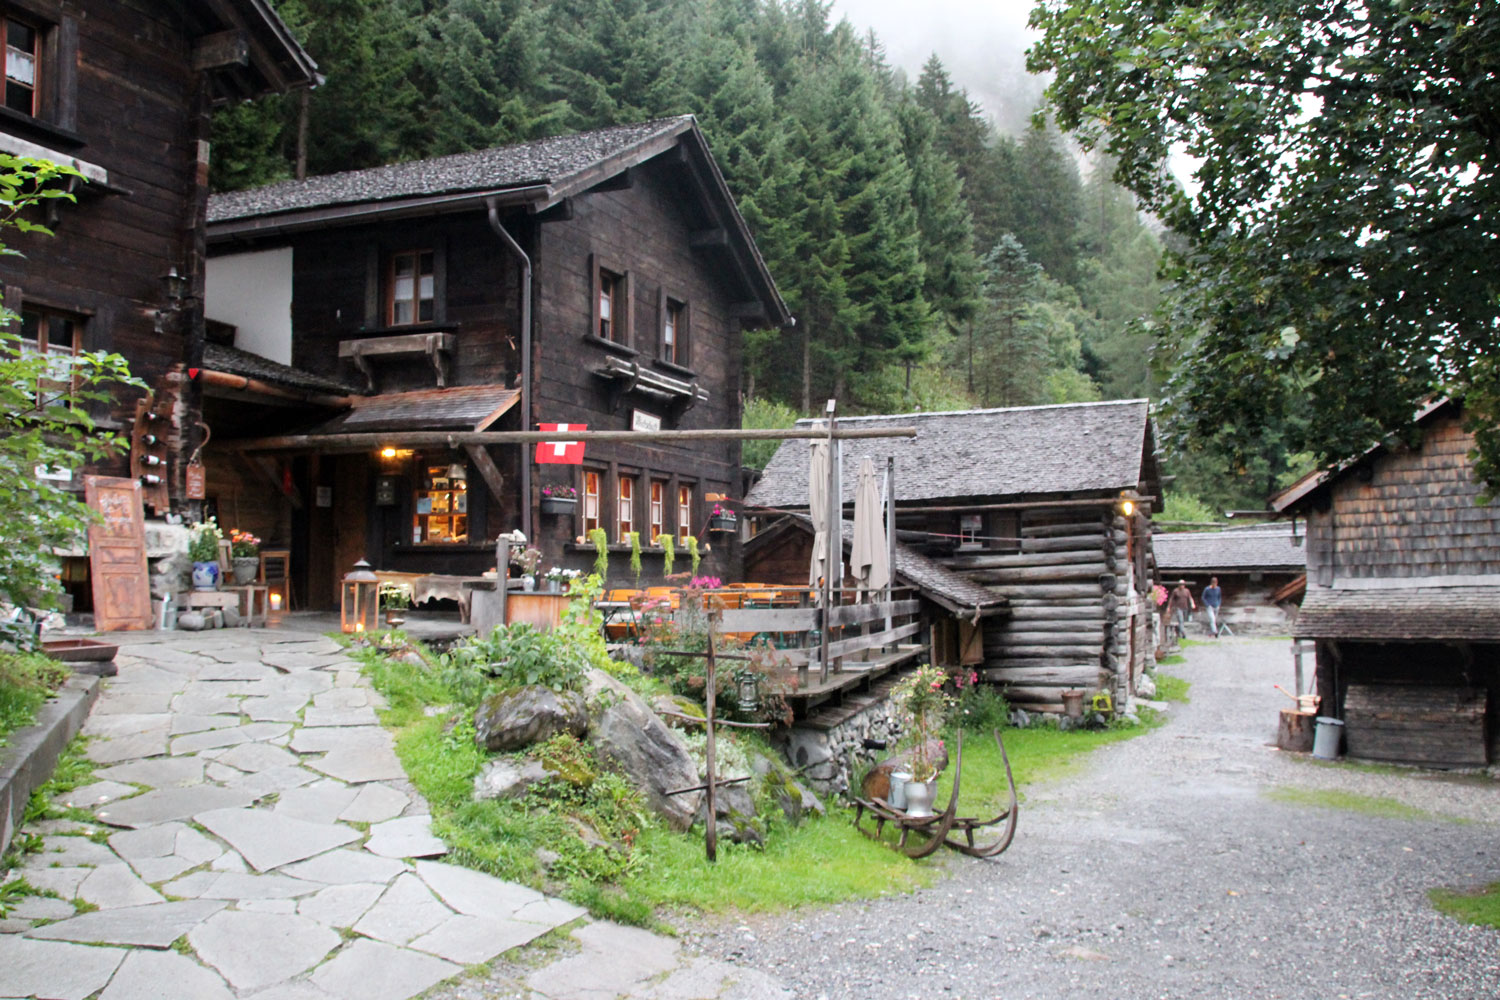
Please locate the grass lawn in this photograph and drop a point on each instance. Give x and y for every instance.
(1171, 688)
(1479, 907)
(647, 869)
(1369, 805)
(26, 680)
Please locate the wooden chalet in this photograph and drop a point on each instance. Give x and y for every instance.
(370, 320)
(121, 90)
(1046, 507)
(1403, 598)
(1261, 570)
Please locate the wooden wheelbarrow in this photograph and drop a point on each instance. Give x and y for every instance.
(922, 835)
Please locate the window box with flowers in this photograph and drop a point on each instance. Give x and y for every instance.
(722, 519)
(559, 499)
(244, 551)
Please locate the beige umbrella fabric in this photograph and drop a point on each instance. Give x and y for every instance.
(817, 508)
(869, 561)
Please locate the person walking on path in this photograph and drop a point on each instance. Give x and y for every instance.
(1213, 598)
(1180, 605)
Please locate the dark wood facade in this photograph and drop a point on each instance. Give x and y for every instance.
(1403, 598)
(633, 225)
(124, 92)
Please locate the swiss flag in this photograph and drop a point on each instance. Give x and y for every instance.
(560, 452)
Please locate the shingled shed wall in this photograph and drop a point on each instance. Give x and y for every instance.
(1415, 516)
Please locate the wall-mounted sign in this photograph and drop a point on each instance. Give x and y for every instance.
(197, 483)
(324, 496)
(385, 491)
(640, 420)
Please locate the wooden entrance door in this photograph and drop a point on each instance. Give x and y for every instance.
(117, 554)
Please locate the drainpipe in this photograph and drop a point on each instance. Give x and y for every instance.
(515, 248)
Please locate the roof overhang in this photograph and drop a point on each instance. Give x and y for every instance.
(1457, 614)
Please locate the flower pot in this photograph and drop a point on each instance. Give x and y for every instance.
(246, 568)
(528, 583)
(897, 796)
(206, 575)
(919, 796)
(723, 523)
(558, 505)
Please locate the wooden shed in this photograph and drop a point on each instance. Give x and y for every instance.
(1257, 566)
(1045, 506)
(1403, 597)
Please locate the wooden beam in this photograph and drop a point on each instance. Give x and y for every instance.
(561, 212)
(480, 456)
(703, 238)
(622, 181)
(454, 439)
(223, 48)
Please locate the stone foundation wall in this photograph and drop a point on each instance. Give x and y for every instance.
(823, 749)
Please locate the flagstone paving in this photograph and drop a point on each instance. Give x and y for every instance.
(254, 835)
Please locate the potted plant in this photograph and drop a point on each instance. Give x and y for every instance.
(559, 580)
(244, 551)
(693, 554)
(923, 704)
(634, 538)
(600, 541)
(203, 550)
(668, 551)
(527, 559)
(394, 599)
(559, 499)
(721, 518)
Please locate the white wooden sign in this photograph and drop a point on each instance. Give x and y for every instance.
(640, 420)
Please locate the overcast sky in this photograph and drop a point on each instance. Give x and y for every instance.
(982, 42)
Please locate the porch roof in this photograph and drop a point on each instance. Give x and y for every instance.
(1432, 614)
(221, 357)
(1263, 547)
(460, 408)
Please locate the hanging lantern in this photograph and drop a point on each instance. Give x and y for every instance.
(359, 605)
(749, 692)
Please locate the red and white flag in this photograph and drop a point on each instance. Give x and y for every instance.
(560, 452)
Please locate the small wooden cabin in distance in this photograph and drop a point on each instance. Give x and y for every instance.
(1261, 570)
(1047, 507)
(1403, 597)
(372, 318)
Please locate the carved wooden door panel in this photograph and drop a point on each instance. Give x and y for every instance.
(117, 554)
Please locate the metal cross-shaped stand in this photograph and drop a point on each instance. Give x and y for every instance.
(712, 656)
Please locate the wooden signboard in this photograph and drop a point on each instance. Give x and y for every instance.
(117, 554)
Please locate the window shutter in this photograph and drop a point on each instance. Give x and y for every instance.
(372, 288)
(627, 280)
(593, 284)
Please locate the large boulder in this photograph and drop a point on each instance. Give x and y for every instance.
(508, 779)
(625, 732)
(528, 715)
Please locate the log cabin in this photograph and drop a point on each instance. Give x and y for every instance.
(122, 91)
(1403, 597)
(1258, 567)
(1047, 507)
(367, 321)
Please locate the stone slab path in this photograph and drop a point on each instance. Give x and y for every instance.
(254, 836)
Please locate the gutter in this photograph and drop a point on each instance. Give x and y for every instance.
(493, 206)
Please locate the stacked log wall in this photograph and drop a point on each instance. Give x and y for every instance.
(1068, 592)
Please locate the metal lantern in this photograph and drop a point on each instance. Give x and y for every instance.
(749, 692)
(359, 605)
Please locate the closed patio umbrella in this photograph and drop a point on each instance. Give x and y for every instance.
(817, 500)
(869, 561)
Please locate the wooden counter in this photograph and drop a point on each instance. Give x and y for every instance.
(543, 610)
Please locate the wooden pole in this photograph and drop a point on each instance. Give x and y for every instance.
(835, 516)
(890, 532)
(454, 439)
(711, 825)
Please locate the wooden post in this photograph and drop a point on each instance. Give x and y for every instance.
(890, 534)
(1297, 662)
(835, 510)
(711, 824)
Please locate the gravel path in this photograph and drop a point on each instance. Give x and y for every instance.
(1163, 870)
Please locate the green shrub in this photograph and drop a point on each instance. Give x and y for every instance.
(26, 680)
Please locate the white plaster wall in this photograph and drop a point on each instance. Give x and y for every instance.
(253, 292)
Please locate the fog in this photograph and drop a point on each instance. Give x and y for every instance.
(981, 42)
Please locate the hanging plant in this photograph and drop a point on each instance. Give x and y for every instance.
(601, 551)
(692, 547)
(669, 553)
(635, 553)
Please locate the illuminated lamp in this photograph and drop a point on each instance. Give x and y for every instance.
(359, 604)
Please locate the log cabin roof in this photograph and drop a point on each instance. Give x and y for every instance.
(1263, 547)
(221, 357)
(1426, 614)
(536, 175)
(936, 582)
(459, 408)
(1013, 452)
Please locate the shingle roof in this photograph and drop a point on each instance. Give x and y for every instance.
(1267, 547)
(545, 161)
(1077, 447)
(220, 357)
(1416, 613)
(465, 408)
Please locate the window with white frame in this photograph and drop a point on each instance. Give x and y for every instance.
(590, 501)
(625, 503)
